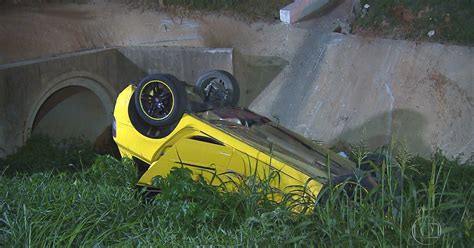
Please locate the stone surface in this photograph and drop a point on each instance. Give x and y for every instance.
(186, 63)
(379, 91)
(300, 9)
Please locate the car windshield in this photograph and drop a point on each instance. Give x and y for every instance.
(276, 141)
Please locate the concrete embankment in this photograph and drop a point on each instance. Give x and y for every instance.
(377, 91)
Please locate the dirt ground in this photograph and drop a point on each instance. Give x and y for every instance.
(261, 48)
(28, 32)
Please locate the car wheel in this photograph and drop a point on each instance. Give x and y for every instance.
(348, 186)
(160, 100)
(218, 87)
(373, 163)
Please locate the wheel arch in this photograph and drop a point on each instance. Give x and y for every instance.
(90, 81)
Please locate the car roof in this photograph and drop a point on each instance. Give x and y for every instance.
(261, 133)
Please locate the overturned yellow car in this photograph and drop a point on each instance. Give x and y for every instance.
(161, 124)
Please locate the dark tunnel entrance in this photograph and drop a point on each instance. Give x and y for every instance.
(71, 112)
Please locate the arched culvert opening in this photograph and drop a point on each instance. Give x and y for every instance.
(72, 112)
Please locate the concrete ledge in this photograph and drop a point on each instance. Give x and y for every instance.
(300, 9)
(186, 63)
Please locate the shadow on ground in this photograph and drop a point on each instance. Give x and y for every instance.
(254, 74)
(399, 127)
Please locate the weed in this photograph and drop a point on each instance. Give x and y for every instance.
(99, 206)
(451, 20)
(41, 153)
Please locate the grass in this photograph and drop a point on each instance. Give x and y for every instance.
(406, 19)
(98, 205)
(41, 153)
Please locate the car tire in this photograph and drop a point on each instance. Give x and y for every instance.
(218, 87)
(346, 184)
(160, 100)
(372, 164)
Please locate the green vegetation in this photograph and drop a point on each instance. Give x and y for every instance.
(98, 205)
(41, 153)
(452, 21)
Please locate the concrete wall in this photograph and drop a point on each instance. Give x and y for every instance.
(25, 86)
(186, 63)
(300, 9)
(376, 91)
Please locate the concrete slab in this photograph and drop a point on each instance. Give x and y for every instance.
(300, 9)
(186, 63)
(377, 91)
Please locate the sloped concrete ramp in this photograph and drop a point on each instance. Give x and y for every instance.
(376, 91)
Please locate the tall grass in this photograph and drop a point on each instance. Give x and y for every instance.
(99, 206)
(41, 153)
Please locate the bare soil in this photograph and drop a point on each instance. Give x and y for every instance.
(40, 30)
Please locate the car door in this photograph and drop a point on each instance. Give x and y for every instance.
(204, 155)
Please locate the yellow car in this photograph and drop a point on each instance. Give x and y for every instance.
(160, 124)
